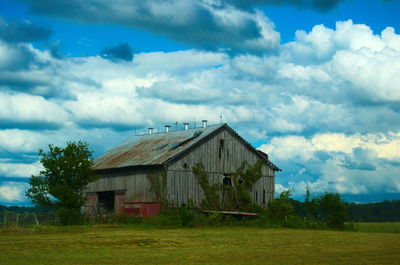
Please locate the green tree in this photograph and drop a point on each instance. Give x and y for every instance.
(334, 210)
(309, 204)
(62, 183)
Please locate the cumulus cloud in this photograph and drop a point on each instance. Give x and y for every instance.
(205, 24)
(22, 170)
(329, 124)
(284, 92)
(352, 164)
(26, 69)
(12, 192)
(30, 112)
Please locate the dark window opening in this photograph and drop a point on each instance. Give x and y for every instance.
(256, 198)
(184, 165)
(227, 180)
(264, 196)
(221, 148)
(105, 201)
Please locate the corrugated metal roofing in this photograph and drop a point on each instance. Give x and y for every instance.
(152, 149)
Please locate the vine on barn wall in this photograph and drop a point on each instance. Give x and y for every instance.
(158, 185)
(211, 192)
(234, 197)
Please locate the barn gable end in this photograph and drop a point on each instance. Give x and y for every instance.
(221, 154)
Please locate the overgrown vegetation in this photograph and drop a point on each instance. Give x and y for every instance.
(327, 210)
(61, 184)
(158, 185)
(229, 197)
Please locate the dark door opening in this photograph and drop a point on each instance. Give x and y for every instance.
(105, 201)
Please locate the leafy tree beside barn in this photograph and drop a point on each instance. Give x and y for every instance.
(62, 182)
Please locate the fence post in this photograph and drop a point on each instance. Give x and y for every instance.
(5, 218)
(36, 220)
(16, 220)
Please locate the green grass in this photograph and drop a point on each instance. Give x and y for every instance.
(224, 245)
(378, 227)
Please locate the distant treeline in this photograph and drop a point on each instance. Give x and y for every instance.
(386, 211)
(24, 209)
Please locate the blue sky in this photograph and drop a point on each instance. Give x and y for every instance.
(315, 84)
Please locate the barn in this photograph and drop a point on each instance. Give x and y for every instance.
(124, 183)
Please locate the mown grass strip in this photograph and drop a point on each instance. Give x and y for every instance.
(224, 245)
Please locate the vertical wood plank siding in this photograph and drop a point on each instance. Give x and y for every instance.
(183, 186)
(133, 182)
(181, 183)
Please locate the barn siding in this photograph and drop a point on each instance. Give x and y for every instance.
(133, 182)
(182, 186)
(181, 181)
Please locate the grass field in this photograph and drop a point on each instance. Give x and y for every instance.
(378, 227)
(227, 245)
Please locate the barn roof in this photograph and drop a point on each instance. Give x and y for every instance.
(161, 148)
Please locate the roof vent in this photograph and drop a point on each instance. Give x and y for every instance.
(167, 127)
(186, 124)
(150, 130)
(204, 123)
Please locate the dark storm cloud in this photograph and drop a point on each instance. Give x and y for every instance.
(199, 23)
(318, 5)
(121, 51)
(15, 31)
(35, 125)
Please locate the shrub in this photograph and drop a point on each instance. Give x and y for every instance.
(281, 208)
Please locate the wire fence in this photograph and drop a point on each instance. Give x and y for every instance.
(13, 219)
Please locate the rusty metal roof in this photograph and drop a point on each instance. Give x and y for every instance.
(161, 148)
(152, 149)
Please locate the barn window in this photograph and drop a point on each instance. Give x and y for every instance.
(227, 180)
(263, 196)
(184, 165)
(221, 147)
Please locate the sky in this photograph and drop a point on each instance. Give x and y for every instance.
(314, 83)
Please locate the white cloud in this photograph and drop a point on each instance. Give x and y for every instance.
(375, 73)
(19, 169)
(328, 94)
(12, 192)
(27, 110)
(385, 146)
(355, 164)
(26, 140)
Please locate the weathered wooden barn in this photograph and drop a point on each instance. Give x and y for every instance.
(124, 186)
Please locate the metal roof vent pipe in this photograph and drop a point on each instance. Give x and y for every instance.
(204, 123)
(186, 124)
(150, 130)
(167, 127)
